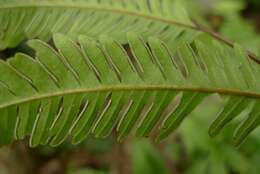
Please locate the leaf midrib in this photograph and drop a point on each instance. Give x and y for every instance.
(114, 88)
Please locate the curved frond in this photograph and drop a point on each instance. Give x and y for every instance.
(91, 87)
(21, 19)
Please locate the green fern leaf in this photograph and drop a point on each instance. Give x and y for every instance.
(92, 87)
(21, 19)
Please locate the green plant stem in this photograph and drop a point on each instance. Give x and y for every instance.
(235, 92)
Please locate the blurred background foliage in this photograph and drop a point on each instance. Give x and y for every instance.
(190, 150)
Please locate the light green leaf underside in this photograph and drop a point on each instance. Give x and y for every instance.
(93, 87)
(22, 19)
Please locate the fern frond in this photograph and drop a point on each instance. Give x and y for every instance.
(92, 87)
(21, 19)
